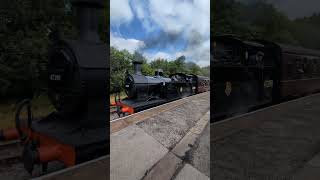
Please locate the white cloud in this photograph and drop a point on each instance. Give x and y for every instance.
(186, 18)
(199, 53)
(141, 11)
(162, 55)
(176, 16)
(191, 19)
(122, 43)
(120, 12)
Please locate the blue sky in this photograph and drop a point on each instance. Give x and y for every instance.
(174, 28)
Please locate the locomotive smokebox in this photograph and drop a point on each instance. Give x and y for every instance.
(137, 67)
(87, 18)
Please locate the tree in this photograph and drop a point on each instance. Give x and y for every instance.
(161, 64)
(193, 68)
(261, 20)
(177, 66)
(120, 61)
(24, 29)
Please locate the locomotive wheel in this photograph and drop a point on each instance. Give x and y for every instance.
(185, 91)
(119, 111)
(25, 102)
(30, 156)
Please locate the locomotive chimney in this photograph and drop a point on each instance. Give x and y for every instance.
(87, 18)
(158, 72)
(137, 67)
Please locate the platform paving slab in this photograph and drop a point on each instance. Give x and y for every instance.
(190, 138)
(190, 173)
(170, 127)
(199, 155)
(165, 168)
(193, 148)
(133, 153)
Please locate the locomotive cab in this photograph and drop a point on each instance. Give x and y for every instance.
(242, 76)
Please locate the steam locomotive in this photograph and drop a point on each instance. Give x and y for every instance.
(247, 75)
(77, 87)
(144, 92)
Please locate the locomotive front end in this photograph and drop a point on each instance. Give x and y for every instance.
(77, 87)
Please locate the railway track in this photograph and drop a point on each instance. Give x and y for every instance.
(11, 166)
(113, 113)
(10, 152)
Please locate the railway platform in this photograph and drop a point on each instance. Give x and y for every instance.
(170, 141)
(95, 169)
(277, 142)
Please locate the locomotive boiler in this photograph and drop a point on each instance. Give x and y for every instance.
(77, 87)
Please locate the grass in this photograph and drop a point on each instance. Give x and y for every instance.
(41, 106)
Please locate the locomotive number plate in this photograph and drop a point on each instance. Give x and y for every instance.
(55, 77)
(268, 83)
(228, 88)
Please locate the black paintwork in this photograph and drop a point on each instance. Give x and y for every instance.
(78, 88)
(233, 64)
(148, 91)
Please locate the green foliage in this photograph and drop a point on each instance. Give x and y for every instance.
(24, 29)
(121, 61)
(262, 20)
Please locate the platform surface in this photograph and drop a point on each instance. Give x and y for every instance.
(276, 142)
(97, 169)
(161, 143)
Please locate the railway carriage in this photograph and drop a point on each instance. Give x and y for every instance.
(300, 71)
(202, 84)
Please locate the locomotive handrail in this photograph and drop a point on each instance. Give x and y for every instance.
(25, 102)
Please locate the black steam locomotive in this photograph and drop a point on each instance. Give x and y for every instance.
(247, 75)
(144, 92)
(77, 87)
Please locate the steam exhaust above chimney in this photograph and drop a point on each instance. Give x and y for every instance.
(87, 18)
